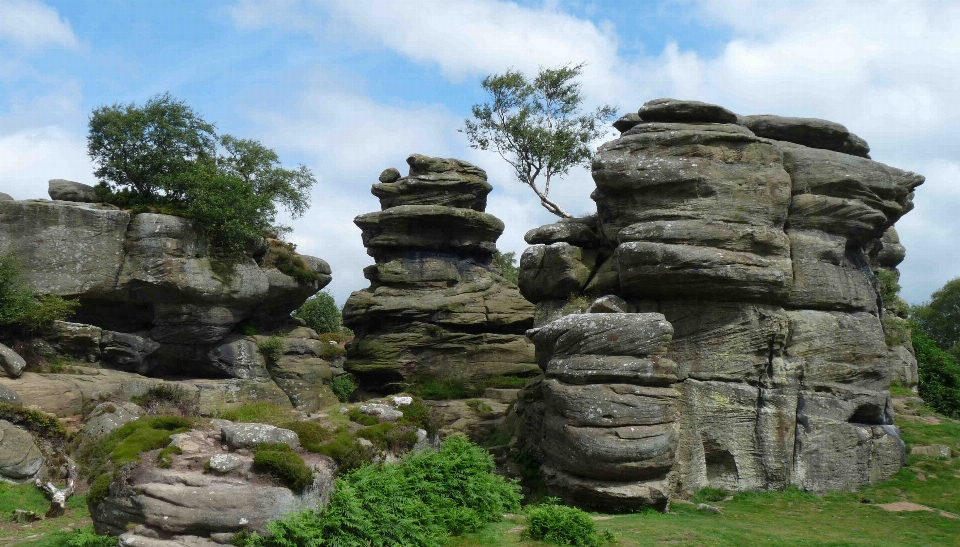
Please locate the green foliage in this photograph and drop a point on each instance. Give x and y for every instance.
(259, 412)
(272, 349)
(99, 489)
(20, 306)
(249, 330)
(311, 434)
(321, 313)
(359, 417)
(164, 457)
(537, 126)
(347, 452)
(507, 264)
(939, 376)
(45, 426)
(163, 156)
(88, 538)
(420, 501)
(283, 257)
(562, 525)
(343, 386)
(939, 318)
(890, 292)
(167, 399)
(278, 460)
(390, 436)
(331, 348)
(418, 415)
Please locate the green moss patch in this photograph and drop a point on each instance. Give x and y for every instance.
(281, 462)
(42, 425)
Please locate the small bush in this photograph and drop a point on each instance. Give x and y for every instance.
(99, 489)
(343, 386)
(356, 416)
(311, 434)
(165, 399)
(249, 330)
(347, 452)
(420, 501)
(283, 257)
(387, 436)
(321, 313)
(331, 345)
(19, 305)
(272, 349)
(89, 538)
(45, 426)
(939, 376)
(562, 525)
(279, 461)
(418, 415)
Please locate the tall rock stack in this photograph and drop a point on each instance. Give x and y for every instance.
(436, 306)
(750, 235)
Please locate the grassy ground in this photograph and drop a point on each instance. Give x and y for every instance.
(782, 519)
(799, 519)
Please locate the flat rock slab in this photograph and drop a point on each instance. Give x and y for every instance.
(225, 463)
(383, 412)
(250, 435)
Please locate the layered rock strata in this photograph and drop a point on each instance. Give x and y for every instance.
(436, 305)
(156, 301)
(752, 237)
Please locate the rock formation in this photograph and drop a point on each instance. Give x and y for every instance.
(758, 358)
(436, 305)
(154, 300)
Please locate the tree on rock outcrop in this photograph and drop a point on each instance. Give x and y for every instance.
(163, 156)
(537, 126)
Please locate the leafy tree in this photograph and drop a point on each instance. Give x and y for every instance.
(507, 262)
(537, 126)
(321, 313)
(20, 306)
(939, 318)
(939, 376)
(163, 155)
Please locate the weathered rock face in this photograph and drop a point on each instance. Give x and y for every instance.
(20, 459)
(149, 281)
(754, 240)
(436, 306)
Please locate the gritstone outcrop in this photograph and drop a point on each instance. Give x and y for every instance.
(436, 306)
(746, 248)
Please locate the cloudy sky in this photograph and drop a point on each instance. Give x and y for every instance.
(350, 87)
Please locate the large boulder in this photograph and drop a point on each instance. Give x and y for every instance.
(11, 364)
(436, 305)
(20, 459)
(151, 280)
(68, 190)
(759, 241)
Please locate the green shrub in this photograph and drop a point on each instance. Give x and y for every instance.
(272, 349)
(343, 386)
(388, 436)
(20, 306)
(356, 416)
(939, 376)
(249, 330)
(321, 313)
(164, 399)
(88, 538)
(126, 443)
(507, 264)
(280, 461)
(283, 257)
(562, 525)
(418, 415)
(347, 452)
(420, 501)
(33, 420)
(331, 345)
(99, 489)
(311, 434)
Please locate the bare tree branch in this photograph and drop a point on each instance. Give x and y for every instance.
(58, 497)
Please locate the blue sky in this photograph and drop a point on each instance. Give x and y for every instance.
(350, 87)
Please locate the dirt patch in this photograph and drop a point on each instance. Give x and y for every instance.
(932, 420)
(601, 518)
(903, 506)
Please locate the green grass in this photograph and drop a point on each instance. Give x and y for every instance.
(29, 498)
(280, 461)
(260, 413)
(794, 518)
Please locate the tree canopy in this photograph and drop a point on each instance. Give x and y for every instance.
(939, 318)
(537, 126)
(165, 155)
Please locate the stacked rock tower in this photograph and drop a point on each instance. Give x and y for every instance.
(436, 306)
(736, 258)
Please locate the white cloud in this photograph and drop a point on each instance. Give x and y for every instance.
(34, 25)
(29, 158)
(261, 14)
